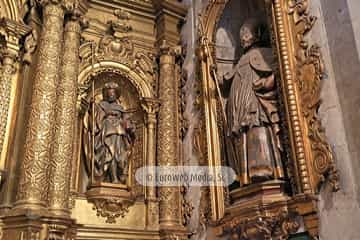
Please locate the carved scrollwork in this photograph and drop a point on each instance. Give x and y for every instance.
(112, 47)
(278, 226)
(112, 208)
(300, 11)
(116, 45)
(187, 207)
(310, 71)
(30, 46)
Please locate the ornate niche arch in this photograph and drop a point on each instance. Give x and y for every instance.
(299, 77)
(136, 96)
(141, 84)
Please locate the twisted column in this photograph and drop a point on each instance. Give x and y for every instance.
(62, 153)
(34, 172)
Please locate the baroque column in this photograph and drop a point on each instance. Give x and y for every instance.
(13, 32)
(26, 219)
(168, 142)
(151, 108)
(34, 172)
(59, 192)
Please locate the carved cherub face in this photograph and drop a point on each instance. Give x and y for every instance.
(248, 36)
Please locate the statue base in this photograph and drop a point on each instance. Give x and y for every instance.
(110, 200)
(109, 189)
(264, 211)
(259, 193)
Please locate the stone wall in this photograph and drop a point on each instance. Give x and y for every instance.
(191, 113)
(334, 32)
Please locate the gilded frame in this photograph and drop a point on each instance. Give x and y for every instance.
(301, 71)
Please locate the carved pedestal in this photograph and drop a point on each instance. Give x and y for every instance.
(264, 212)
(260, 193)
(110, 200)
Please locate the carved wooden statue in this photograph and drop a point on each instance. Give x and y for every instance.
(113, 138)
(252, 113)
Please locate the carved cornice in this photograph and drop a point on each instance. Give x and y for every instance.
(173, 8)
(170, 17)
(13, 32)
(70, 6)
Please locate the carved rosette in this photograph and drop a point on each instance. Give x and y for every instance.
(310, 71)
(65, 119)
(34, 172)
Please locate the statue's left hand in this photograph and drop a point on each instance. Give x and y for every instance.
(264, 83)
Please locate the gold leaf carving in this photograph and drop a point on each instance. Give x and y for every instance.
(111, 208)
(310, 69)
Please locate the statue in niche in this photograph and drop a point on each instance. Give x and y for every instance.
(114, 136)
(251, 110)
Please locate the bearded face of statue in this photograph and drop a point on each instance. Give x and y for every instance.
(111, 95)
(247, 37)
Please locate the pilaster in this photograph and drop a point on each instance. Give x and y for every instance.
(151, 108)
(12, 33)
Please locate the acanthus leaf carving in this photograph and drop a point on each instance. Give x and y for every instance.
(30, 46)
(116, 45)
(310, 71)
(275, 226)
(112, 208)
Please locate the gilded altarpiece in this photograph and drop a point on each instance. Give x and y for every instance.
(49, 192)
(278, 207)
